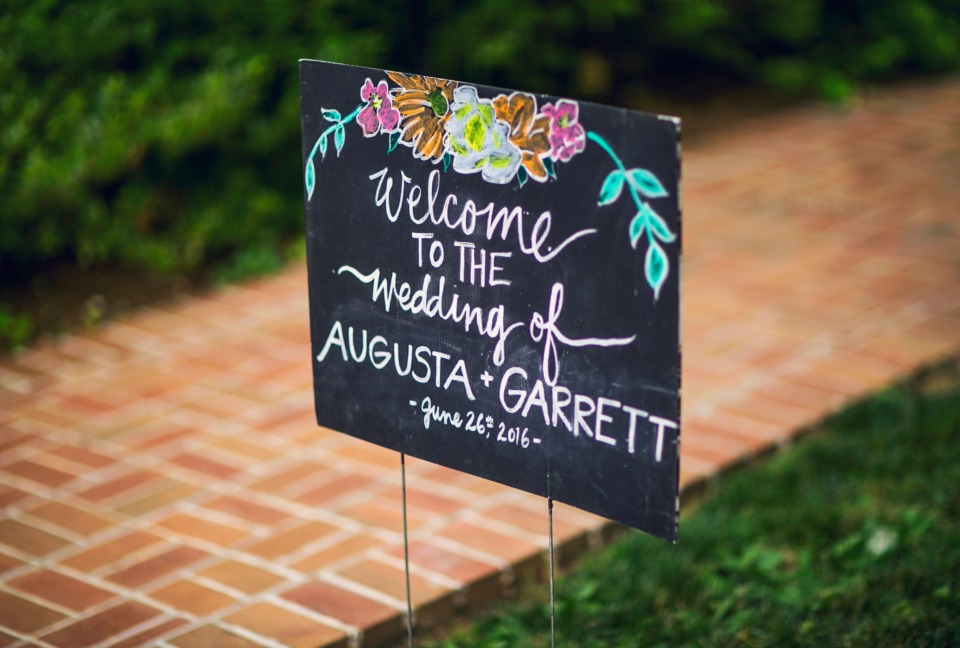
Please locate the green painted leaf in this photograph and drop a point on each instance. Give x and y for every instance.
(486, 111)
(474, 133)
(459, 149)
(656, 267)
(339, 135)
(393, 141)
(310, 179)
(636, 229)
(522, 176)
(611, 188)
(331, 115)
(658, 226)
(646, 183)
(323, 146)
(447, 159)
(550, 167)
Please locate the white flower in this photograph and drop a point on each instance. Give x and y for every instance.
(478, 141)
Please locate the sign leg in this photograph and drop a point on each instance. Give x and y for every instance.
(553, 624)
(406, 548)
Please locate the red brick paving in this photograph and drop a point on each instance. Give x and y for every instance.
(163, 481)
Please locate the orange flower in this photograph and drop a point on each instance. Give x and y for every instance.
(529, 132)
(424, 105)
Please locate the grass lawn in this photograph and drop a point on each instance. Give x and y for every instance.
(850, 538)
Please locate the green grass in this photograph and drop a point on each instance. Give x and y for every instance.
(850, 538)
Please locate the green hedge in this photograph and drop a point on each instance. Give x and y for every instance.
(155, 134)
(164, 136)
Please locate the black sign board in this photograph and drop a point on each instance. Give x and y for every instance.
(494, 284)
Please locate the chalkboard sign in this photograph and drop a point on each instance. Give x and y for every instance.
(494, 284)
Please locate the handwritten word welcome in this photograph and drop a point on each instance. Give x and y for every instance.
(501, 222)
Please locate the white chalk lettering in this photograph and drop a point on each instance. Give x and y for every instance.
(519, 394)
(335, 337)
(433, 412)
(583, 407)
(604, 420)
(382, 196)
(547, 330)
(661, 423)
(419, 237)
(476, 261)
(380, 352)
(502, 222)
(379, 359)
(490, 322)
(495, 269)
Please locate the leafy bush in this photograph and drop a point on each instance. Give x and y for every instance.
(165, 136)
(158, 135)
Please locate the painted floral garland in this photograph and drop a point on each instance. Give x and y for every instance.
(502, 139)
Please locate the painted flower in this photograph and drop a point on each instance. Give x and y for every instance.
(379, 112)
(529, 131)
(566, 135)
(478, 140)
(424, 106)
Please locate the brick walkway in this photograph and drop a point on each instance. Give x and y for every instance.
(163, 481)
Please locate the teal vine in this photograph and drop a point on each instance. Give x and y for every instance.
(639, 181)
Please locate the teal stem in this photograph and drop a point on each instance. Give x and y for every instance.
(606, 147)
(332, 127)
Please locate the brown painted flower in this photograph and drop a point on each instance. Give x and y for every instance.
(529, 131)
(424, 105)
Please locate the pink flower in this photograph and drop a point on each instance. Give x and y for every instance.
(566, 135)
(379, 112)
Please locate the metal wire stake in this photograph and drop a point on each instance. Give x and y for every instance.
(406, 548)
(553, 619)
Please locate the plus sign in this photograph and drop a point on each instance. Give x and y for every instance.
(486, 378)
